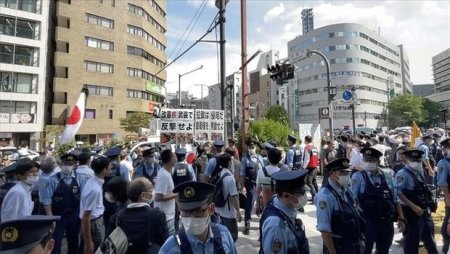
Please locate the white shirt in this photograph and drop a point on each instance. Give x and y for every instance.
(356, 158)
(17, 203)
(129, 166)
(382, 148)
(84, 173)
(164, 185)
(262, 179)
(44, 179)
(92, 198)
(229, 190)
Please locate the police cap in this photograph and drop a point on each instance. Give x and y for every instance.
(292, 138)
(428, 135)
(250, 142)
(290, 181)
(180, 151)
(148, 152)
(341, 164)
(414, 155)
(268, 146)
(69, 158)
(20, 236)
(218, 143)
(24, 164)
(113, 151)
(9, 169)
(445, 143)
(193, 194)
(370, 152)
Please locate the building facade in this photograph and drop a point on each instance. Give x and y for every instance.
(406, 80)
(233, 101)
(423, 90)
(24, 71)
(307, 20)
(358, 58)
(115, 49)
(441, 71)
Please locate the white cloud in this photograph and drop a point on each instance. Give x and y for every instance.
(259, 29)
(274, 13)
(288, 27)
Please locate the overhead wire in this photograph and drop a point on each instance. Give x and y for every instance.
(185, 30)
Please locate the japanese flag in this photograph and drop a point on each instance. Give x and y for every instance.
(76, 118)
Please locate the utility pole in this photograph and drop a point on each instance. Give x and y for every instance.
(220, 4)
(353, 110)
(245, 89)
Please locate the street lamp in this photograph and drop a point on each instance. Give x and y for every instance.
(201, 93)
(331, 90)
(179, 82)
(353, 109)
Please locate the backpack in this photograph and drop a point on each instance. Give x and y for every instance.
(313, 156)
(116, 242)
(215, 174)
(218, 196)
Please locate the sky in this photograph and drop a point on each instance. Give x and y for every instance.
(423, 27)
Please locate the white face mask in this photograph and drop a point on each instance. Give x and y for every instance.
(109, 197)
(301, 201)
(371, 166)
(344, 181)
(195, 226)
(67, 170)
(415, 165)
(31, 179)
(252, 151)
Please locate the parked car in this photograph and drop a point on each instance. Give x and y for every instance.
(10, 151)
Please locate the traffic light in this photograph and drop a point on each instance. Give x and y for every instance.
(281, 73)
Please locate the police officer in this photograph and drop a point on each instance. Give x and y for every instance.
(29, 235)
(417, 201)
(198, 234)
(294, 154)
(337, 217)
(251, 163)
(182, 172)
(149, 168)
(280, 231)
(444, 183)
(377, 198)
(113, 154)
(62, 198)
(212, 169)
(11, 180)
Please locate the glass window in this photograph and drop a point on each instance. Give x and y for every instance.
(89, 114)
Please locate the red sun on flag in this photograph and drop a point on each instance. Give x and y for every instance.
(75, 116)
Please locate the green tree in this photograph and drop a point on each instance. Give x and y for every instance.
(268, 129)
(404, 109)
(134, 121)
(278, 114)
(431, 113)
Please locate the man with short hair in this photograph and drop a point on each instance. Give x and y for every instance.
(229, 214)
(30, 235)
(164, 197)
(264, 185)
(232, 145)
(294, 154)
(310, 163)
(427, 158)
(144, 226)
(211, 167)
(18, 203)
(91, 205)
(198, 234)
(148, 168)
(126, 164)
(83, 170)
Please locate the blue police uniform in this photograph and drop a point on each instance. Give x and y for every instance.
(26, 235)
(443, 181)
(63, 195)
(410, 183)
(212, 162)
(147, 170)
(336, 213)
(280, 230)
(377, 198)
(193, 195)
(294, 155)
(8, 185)
(249, 169)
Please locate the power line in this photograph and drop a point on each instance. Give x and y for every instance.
(193, 26)
(185, 30)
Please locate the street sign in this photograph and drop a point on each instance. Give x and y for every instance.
(324, 113)
(347, 95)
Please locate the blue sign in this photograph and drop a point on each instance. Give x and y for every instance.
(347, 95)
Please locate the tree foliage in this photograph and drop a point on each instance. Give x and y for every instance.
(268, 129)
(405, 109)
(278, 114)
(134, 121)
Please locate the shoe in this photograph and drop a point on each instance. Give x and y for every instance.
(246, 230)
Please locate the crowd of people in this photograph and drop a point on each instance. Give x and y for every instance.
(159, 200)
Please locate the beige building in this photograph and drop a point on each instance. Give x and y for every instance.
(114, 48)
(260, 94)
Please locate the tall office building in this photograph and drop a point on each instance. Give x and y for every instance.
(307, 20)
(115, 48)
(441, 71)
(406, 80)
(358, 58)
(24, 71)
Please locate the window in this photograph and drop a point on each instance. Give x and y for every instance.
(99, 90)
(99, 21)
(144, 34)
(144, 54)
(89, 114)
(33, 6)
(110, 114)
(98, 67)
(12, 82)
(20, 55)
(141, 12)
(100, 44)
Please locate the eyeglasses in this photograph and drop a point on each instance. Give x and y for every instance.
(198, 213)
